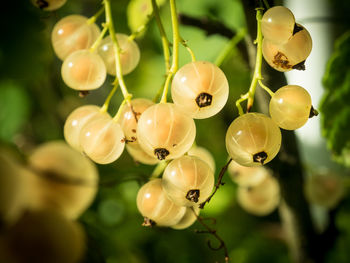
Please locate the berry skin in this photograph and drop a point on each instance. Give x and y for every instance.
(253, 139)
(83, 70)
(165, 132)
(324, 189)
(200, 88)
(102, 140)
(203, 154)
(277, 24)
(140, 156)
(290, 107)
(188, 180)
(73, 33)
(260, 199)
(188, 219)
(76, 121)
(12, 188)
(128, 118)
(154, 204)
(63, 180)
(49, 5)
(247, 176)
(290, 55)
(129, 55)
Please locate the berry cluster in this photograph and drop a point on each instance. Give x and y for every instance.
(254, 139)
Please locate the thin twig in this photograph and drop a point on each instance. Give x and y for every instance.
(218, 184)
(211, 231)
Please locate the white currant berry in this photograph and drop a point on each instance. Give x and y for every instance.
(165, 132)
(247, 176)
(290, 107)
(188, 180)
(76, 121)
(291, 54)
(188, 218)
(253, 139)
(140, 155)
(73, 33)
(324, 189)
(102, 140)
(129, 118)
(83, 70)
(156, 207)
(64, 180)
(200, 88)
(203, 154)
(277, 24)
(260, 199)
(129, 55)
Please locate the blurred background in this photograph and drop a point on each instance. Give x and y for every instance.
(34, 103)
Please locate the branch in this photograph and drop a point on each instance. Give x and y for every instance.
(221, 174)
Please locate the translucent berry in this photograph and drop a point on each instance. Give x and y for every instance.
(188, 218)
(247, 176)
(102, 140)
(202, 154)
(129, 118)
(76, 121)
(156, 207)
(260, 199)
(73, 33)
(253, 139)
(140, 156)
(64, 180)
(277, 24)
(290, 55)
(188, 180)
(200, 88)
(165, 132)
(290, 107)
(324, 189)
(129, 56)
(83, 70)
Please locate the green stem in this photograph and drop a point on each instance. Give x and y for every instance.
(266, 4)
(100, 37)
(239, 101)
(230, 46)
(92, 19)
(105, 106)
(159, 169)
(165, 41)
(109, 21)
(141, 28)
(119, 112)
(258, 62)
(184, 43)
(176, 41)
(271, 93)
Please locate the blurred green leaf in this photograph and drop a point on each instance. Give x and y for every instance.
(14, 109)
(335, 103)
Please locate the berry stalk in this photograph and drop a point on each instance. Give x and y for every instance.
(176, 41)
(165, 41)
(109, 21)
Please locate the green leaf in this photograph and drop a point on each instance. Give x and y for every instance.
(14, 109)
(335, 106)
